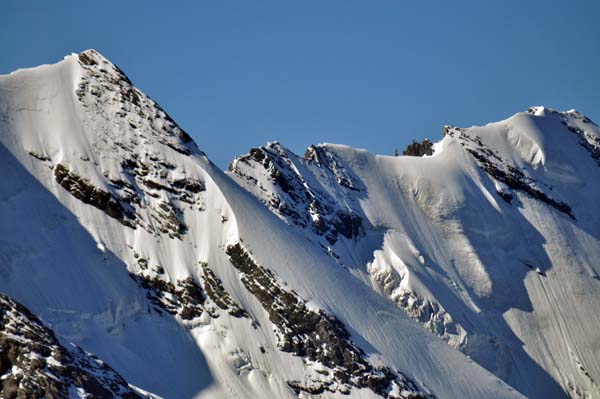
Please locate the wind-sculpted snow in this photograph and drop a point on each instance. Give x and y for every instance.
(34, 364)
(117, 98)
(508, 177)
(326, 275)
(452, 238)
(125, 175)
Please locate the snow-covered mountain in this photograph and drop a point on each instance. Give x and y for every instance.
(129, 261)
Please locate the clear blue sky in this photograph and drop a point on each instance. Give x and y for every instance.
(371, 74)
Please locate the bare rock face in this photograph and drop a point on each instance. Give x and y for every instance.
(34, 364)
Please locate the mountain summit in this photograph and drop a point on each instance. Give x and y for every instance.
(131, 266)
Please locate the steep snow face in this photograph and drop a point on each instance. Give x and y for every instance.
(81, 216)
(124, 239)
(489, 243)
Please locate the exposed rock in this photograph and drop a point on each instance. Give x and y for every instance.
(296, 196)
(86, 192)
(590, 142)
(417, 149)
(184, 298)
(153, 177)
(317, 336)
(316, 389)
(510, 175)
(217, 293)
(148, 191)
(170, 219)
(34, 364)
(41, 157)
(108, 83)
(189, 185)
(325, 158)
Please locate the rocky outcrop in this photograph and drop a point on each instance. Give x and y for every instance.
(82, 189)
(155, 180)
(146, 178)
(186, 298)
(146, 190)
(326, 159)
(34, 364)
(217, 293)
(416, 149)
(294, 188)
(105, 84)
(589, 141)
(509, 175)
(318, 337)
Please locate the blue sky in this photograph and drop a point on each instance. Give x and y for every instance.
(370, 74)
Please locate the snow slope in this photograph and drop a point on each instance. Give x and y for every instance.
(490, 243)
(298, 277)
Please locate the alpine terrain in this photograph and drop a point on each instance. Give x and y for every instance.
(132, 267)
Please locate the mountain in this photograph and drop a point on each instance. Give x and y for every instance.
(468, 273)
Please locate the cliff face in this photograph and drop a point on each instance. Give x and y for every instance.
(466, 273)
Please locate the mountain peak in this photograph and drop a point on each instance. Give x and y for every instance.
(465, 274)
